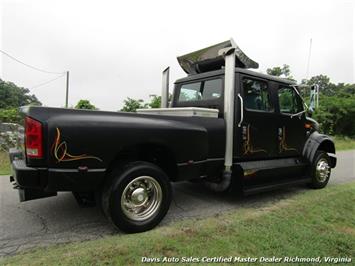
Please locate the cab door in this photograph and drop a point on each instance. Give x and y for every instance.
(257, 134)
(292, 120)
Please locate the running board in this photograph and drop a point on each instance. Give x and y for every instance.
(272, 186)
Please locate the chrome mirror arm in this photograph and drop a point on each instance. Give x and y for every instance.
(298, 114)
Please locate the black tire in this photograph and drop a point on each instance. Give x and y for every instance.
(320, 170)
(137, 186)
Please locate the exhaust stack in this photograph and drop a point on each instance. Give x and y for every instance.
(229, 98)
(165, 89)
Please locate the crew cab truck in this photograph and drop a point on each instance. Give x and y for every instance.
(229, 127)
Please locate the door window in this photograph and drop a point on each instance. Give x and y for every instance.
(256, 95)
(289, 101)
(212, 89)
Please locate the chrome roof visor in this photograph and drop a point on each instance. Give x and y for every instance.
(212, 58)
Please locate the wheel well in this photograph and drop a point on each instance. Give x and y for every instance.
(156, 154)
(327, 146)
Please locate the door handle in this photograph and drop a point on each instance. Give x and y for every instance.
(241, 110)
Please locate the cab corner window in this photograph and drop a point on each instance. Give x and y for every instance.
(201, 91)
(190, 92)
(256, 95)
(289, 101)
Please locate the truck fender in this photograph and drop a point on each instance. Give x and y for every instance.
(317, 141)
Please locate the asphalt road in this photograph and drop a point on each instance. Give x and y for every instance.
(60, 219)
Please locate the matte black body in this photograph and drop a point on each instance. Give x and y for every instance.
(81, 146)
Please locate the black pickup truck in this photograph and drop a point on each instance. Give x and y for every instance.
(228, 127)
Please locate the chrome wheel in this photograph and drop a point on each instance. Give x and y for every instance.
(322, 170)
(141, 198)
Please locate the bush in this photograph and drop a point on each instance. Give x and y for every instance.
(10, 115)
(336, 115)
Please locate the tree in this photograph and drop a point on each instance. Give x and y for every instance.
(155, 101)
(283, 71)
(85, 104)
(336, 106)
(131, 105)
(336, 115)
(12, 96)
(323, 81)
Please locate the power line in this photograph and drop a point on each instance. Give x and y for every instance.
(46, 82)
(23, 63)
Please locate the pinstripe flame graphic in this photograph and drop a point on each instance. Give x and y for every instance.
(60, 151)
(248, 146)
(283, 147)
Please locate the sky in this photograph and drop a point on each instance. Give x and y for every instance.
(118, 49)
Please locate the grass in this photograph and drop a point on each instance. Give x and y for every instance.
(344, 143)
(311, 224)
(4, 163)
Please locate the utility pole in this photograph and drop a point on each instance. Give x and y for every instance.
(309, 58)
(67, 91)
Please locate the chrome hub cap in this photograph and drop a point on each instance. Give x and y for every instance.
(322, 170)
(141, 198)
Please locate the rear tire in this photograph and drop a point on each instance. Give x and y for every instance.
(320, 170)
(136, 197)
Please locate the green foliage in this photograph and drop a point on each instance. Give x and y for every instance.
(10, 115)
(336, 115)
(336, 110)
(131, 105)
(155, 101)
(85, 104)
(283, 72)
(12, 96)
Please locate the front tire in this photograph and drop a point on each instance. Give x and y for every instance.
(320, 170)
(137, 197)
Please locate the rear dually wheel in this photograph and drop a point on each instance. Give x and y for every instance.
(137, 196)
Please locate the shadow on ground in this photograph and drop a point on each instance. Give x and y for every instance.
(60, 219)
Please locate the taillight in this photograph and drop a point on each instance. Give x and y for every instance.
(33, 136)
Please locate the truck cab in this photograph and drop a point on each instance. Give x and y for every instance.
(227, 127)
(271, 126)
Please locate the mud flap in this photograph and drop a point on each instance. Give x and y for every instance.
(31, 194)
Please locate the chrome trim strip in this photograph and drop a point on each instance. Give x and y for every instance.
(58, 170)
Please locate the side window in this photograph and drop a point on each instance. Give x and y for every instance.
(203, 90)
(212, 89)
(256, 95)
(289, 101)
(190, 92)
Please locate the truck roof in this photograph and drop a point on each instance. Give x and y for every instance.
(237, 70)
